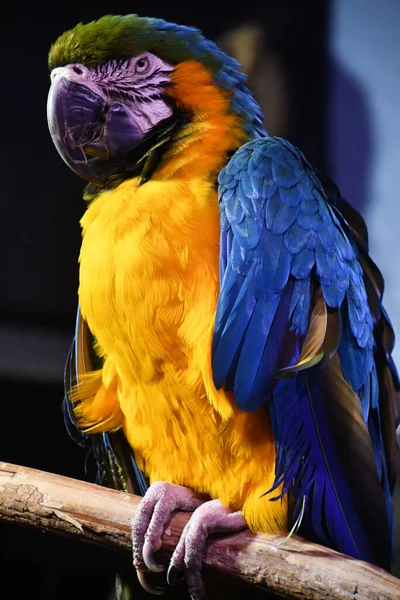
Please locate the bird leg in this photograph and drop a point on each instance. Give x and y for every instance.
(148, 525)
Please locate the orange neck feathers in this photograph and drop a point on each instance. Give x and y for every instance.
(200, 148)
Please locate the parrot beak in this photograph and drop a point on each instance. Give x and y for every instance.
(85, 127)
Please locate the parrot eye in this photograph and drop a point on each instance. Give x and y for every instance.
(142, 65)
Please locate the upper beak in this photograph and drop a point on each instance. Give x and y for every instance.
(75, 115)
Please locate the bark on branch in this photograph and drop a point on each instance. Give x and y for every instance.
(298, 569)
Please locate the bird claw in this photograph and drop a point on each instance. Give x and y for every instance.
(152, 514)
(148, 557)
(151, 589)
(175, 575)
(148, 525)
(211, 517)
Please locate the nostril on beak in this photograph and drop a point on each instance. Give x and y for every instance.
(69, 72)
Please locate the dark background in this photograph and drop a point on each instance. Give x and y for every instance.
(40, 239)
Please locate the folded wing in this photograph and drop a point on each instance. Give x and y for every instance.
(300, 327)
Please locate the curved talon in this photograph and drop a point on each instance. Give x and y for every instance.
(155, 591)
(148, 558)
(175, 575)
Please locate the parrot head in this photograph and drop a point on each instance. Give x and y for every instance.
(114, 97)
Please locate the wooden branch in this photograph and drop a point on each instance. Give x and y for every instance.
(298, 569)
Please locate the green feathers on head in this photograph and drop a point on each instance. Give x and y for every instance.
(117, 36)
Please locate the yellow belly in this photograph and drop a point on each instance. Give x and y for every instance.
(148, 290)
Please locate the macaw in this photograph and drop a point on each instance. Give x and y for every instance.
(232, 355)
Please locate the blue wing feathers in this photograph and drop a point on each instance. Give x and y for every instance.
(280, 216)
(252, 352)
(326, 412)
(285, 233)
(300, 304)
(272, 346)
(287, 241)
(235, 325)
(274, 263)
(224, 252)
(302, 263)
(296, 238)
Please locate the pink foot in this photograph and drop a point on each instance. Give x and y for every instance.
(211, 517)
(152, 515)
